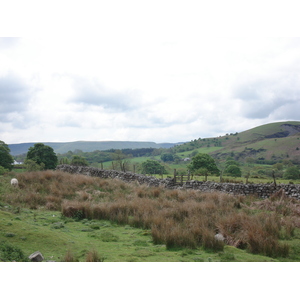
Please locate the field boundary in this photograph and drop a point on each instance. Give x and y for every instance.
(259, 190)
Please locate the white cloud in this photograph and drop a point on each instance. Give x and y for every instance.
(163, 71)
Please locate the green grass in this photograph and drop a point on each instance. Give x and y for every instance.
(35, 231)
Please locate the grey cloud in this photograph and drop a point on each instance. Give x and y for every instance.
(288, 112)
(14, 96)
(261, 99)
(93, 93)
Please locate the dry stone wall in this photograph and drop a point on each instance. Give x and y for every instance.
(125, 176)
(260, 190)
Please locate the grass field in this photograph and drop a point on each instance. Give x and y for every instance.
(79, 218)
(56, 237)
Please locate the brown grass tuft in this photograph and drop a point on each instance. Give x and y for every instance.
(93, 256)
(69, 257)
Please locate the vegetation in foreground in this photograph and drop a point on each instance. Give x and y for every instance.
(79, 218)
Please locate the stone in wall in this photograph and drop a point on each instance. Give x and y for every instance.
(261, 190)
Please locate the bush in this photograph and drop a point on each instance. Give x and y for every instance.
(292, 173)
(3, 170)
(11, 253)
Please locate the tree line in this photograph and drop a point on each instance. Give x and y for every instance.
(41, 157)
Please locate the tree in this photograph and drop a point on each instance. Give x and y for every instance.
(78, 161)
(203, 164)
(152, 167)
(6, 160)
(167, 157)
(231, 162)
(233, 170)
(291, 173)
(41, 153)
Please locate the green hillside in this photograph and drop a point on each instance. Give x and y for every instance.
(274, 141)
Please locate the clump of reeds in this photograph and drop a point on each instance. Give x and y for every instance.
(69, 257)
(94, 256)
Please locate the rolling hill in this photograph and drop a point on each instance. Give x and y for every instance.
(86, 146)
(274, 141)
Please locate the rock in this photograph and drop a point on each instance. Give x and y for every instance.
(36, 257)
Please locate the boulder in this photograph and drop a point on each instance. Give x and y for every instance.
(36, 257)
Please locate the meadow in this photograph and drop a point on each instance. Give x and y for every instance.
(71, 217)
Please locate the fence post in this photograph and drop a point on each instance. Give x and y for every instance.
(174, 175)
(189, 174)
(273, 174)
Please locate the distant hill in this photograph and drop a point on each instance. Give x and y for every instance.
(61, 148)
(274, 141)
(269, 142)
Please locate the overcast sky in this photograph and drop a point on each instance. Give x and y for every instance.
(162, 71)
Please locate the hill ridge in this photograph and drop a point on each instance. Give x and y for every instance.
(88, 146)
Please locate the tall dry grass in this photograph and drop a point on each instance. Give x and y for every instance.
(177, 218)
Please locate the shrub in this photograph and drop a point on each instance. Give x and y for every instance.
(292, 173)
(11, 253)
(3, 170)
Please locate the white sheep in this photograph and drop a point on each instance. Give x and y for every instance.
(14, 182)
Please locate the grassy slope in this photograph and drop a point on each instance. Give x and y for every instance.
(255, 138)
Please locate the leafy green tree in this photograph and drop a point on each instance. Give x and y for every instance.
(203, 164)
(233, 170)
(231, 162)
(292, 173)
(6, 160)
(41, 153)
(167, 157)
(278, 166)
(78, 161)
(152, 167)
